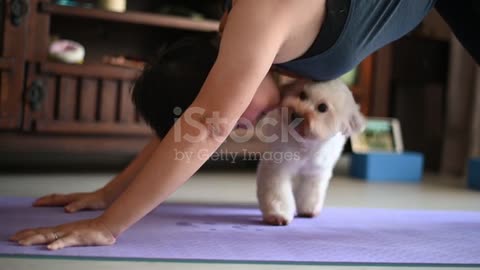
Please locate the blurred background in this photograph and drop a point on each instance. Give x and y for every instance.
(74, 114)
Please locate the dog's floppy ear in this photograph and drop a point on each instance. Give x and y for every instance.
(355, 122)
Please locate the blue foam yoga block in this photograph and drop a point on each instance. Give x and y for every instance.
(474, 174)
(384, 166)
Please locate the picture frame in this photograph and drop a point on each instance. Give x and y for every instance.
(380, 135)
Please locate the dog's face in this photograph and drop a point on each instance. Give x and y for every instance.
(324, 108)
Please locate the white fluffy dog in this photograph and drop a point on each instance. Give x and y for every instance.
(327, 114)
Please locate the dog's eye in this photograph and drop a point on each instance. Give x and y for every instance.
(323, 108)
(303, 96)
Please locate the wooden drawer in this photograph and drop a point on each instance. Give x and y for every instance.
(81, 99)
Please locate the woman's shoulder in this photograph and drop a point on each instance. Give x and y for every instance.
(275, 14)
(292, 7)
(298, 21)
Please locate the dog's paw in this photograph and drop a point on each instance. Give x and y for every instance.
(276, 220)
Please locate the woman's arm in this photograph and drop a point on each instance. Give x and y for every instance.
(251, 40)
(115, 187)
(253, 35)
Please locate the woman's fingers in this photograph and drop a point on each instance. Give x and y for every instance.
(73, 202)
(82, 238)
(67, 241)
(81, 233)
(26, 233)
(37, 239)
(76, 206)
(38, 236)
(55, 200)
(22, 234)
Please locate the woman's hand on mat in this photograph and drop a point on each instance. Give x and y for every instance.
(76, 201)
(90, 232)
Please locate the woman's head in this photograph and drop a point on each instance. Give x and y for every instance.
(170, 85)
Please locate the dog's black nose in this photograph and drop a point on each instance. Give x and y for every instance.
(295, 116)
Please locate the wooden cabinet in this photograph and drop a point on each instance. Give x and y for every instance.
(12, 61)
(47, 106)
(92, 98)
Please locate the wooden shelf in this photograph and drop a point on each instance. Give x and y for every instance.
(90, 70)
(79, 128)
(6, 63)
(29, 143)
(133, 17)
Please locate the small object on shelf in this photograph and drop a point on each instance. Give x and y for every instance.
(176, 10)
(132, 17)
(67, 51)
(73, 3)
(113, 5)
(474, 174)
(123, 61)
(387, 167)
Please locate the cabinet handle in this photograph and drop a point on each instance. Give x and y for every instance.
(35, 95)
(18, 10)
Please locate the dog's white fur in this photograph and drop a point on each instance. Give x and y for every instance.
(298, 185)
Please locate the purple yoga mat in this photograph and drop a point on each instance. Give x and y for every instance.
(232, 233)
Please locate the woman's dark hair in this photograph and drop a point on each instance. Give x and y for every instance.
(173, 81)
